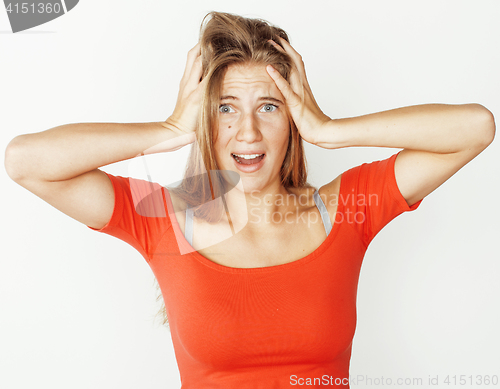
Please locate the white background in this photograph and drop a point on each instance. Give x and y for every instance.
(77, 306)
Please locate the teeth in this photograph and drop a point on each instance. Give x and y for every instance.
(248, 156)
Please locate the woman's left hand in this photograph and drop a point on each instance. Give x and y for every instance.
(306, 114)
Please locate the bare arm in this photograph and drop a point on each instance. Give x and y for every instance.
(61, 165)
(70, 150)
(436, 128)
(438, 139)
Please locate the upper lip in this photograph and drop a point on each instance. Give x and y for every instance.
(248, 152)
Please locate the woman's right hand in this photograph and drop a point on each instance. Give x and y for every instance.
(185, 116)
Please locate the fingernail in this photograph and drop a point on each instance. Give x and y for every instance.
(271, 69)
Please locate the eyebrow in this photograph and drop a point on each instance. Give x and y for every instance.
(268, 98)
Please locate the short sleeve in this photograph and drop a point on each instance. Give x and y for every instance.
(375, 197)
(140, 215)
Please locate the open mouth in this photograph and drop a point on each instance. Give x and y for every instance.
(248, 159)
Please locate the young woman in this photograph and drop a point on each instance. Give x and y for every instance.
(258, 270)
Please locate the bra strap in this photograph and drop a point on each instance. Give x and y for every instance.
(323, 212)
(188, 229)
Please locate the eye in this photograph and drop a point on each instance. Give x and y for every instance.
(224, 108)
(269, 108)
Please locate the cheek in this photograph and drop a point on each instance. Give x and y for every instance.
(222, 136)
(282, 136)
(220, 144)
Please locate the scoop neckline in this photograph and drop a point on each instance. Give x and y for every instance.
(264, 269)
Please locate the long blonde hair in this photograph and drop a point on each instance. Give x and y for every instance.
(228, 39)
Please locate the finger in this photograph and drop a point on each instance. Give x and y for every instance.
(298, 78)
(296, 75)
(278, 47)
(298, 64)
(296, 57)
(194, 77)
(194, 53)
(290, 50)
(284, 87)
(294, 79)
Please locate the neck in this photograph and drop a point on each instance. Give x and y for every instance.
(254, 209)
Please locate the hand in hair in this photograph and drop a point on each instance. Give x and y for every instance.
(306, 114)
(185, 116)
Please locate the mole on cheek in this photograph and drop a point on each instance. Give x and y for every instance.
(229, 127)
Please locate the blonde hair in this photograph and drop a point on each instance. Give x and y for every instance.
(228, 39)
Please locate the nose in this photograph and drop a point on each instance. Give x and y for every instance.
(248, 129)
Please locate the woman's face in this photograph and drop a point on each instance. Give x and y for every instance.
(254, 129)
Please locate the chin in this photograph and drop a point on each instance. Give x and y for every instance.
(249, 185)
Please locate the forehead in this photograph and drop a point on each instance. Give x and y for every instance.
(244, 78)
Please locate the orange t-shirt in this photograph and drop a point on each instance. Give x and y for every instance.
(267, 327)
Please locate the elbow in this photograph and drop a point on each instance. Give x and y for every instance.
(13, 159)
(484, 127)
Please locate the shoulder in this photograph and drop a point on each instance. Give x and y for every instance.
(333, 187)
(330, 192)
(176, 200)
(177, 206)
